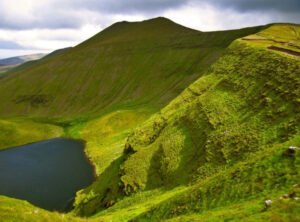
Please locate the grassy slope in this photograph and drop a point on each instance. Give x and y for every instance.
(106, 136)
(280, 35)
(128, 65)
(16, 132)
(240, 106)
(226, 134)
(236, 194)
(13, 210)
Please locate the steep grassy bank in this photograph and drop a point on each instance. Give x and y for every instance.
(240, 107)
(236, 115)
(236, 193)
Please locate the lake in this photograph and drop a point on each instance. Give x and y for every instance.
(46, 174)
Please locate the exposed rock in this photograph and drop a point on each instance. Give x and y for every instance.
(268, 203)
(128, 149)
(291, 151)
(285, 196)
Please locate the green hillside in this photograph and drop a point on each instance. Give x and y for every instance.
(223, 138)
(15, 132)
(126, 65)
(181, 125)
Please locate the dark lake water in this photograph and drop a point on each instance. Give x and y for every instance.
(47, 173)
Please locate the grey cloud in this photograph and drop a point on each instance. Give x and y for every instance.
(55, 14)
(144, 6)
(259, 5)
(274, 10)
(55, 23)
(49, 16)
(121, 6)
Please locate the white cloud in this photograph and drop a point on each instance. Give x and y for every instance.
(51, 24)
(48, 39)
(6, 53)
(205, 17)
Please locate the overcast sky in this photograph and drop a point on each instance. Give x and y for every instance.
(30, 26)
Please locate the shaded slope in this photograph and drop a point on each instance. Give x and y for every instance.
(128, 64)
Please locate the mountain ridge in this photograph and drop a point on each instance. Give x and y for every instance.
(113, 69)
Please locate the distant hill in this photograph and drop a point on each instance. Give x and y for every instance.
(5, 68)
(9, 63)
(20, 59)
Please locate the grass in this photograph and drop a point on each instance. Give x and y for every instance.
(105, 136)
(235, 113)
(285, 36)
(15, 132)
(218, 125)
(267, 175)
(252, 210)
(13, 210)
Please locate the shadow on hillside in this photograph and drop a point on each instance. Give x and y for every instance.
(104, 191)
(191, 157)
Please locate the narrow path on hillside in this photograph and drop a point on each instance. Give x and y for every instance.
(288, 51)
(277, 48)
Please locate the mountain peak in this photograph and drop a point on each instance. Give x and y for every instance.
(159, 27)
(159, 19)
(151, 24)
(152, 20)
